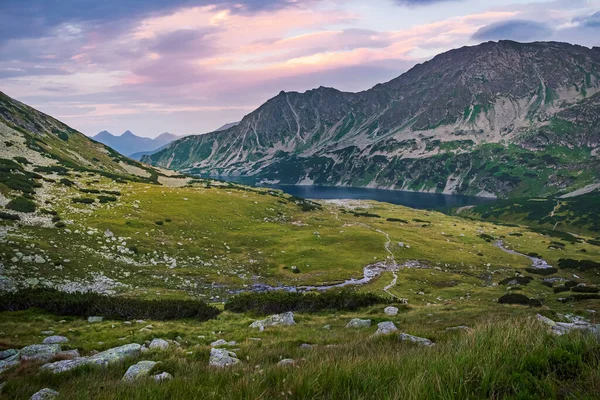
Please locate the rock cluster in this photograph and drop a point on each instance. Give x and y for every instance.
(285, 319)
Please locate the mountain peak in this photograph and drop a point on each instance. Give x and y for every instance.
(128, 133)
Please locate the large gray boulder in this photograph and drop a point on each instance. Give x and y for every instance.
(140, 370)
(285, 319)
(103, 359)
(9, 361)
(61, 366)
(44, 394)
(359, 323)
(8, 353)
(415, 339)
(286, 362)
(561, 328)
(158, 344)
(385, 328)
(55, 340)
(39, 352)
(221, 358)
(116, 354)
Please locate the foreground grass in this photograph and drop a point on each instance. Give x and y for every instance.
(510, 355)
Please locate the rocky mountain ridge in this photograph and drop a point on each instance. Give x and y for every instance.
(497, 119)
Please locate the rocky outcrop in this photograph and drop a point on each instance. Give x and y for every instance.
(55, 340)
(103, 359)
(359, 323)
(415, 339)
(40, 352)
(285, 319)
(221, 358)
(45, 394)
(158, 344)
(561, 328)
(138, 371)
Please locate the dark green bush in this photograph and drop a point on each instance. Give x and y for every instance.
(83, 200)
(585, 289)
(60, 224)
(542, 271)
(521, 280)
(366, 214)
(111, 192)
(106, 199)
(422, 221)
(90, 191)
(560, 289)
(159, 223)
(486, 237)
(8, 216)
(67, 182)
(581, 265)
(279, 301)
(86, 304)
(517, 298)
(397, 220)
(168, 220)
(56, 218)
(21, 204)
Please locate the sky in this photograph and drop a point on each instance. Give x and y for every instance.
(190, 66)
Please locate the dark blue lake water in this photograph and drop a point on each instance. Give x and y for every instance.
(408, 199)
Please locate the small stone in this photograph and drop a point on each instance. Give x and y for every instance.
(95, 319)
(221, 358)
(44, 394)
(163, 376)
(139, 370)
(416, 339)
(47, 333)
(69, 353)
(306, 346)
(385, 328)
(286, 362)
(390, 310)
(327, 327)
(359, 323)
(158, 344)
(55, 340)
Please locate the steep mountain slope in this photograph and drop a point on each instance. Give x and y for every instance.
(503, 119)
(129, 143)
(38, 152)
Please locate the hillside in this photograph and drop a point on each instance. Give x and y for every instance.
(500, 119)
(113, 273)
(132, 145)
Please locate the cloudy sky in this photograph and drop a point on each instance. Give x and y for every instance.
(189, 66)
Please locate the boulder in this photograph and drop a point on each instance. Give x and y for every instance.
(104, 358)
(47, 333)
(40, 352)
(416, 339)
(44, 394)
(163, 376)
(222, 342)
(390, 310)
(66, 365)
(8, 353)
(140, 370)
(221, 358)
(92, 320)
(385, 328)
(10, 361)
(286, 362)
(560, 328)
(158, 344)
(55, 340)
(359, 323)
(116, 354)
(286, 319)
(69, 353)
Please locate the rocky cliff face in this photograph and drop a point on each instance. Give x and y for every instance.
(498, 119)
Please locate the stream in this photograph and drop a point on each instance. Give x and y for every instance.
(537, 263)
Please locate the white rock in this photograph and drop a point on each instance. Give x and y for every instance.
(385, 328)
(390, 310)
(285, 319)
(41, 352)
(163, 376)
(44, 394)
(416, 339)
(286, 362)
(221, 358)
(92, 320)
(55, 340)
(140, 370)
(158, 344)
(359, 323)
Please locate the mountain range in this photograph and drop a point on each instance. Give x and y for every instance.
(501, 119)
(132, 145)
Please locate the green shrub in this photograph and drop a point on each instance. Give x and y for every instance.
(56, 218)
(397, 220)
(517, 298)
(60, 224)
(366, 214)
(21, 204)
(83, 200)
(542, 271)
(520, 280)
(159, 223)
(106, 199)
(67, 182)
(134, 249)
(421, 221)
(279, 301)
(585, 289)
(486, 237)
(581, 265)
(90, 191)
(9, 217)
(86, 304)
